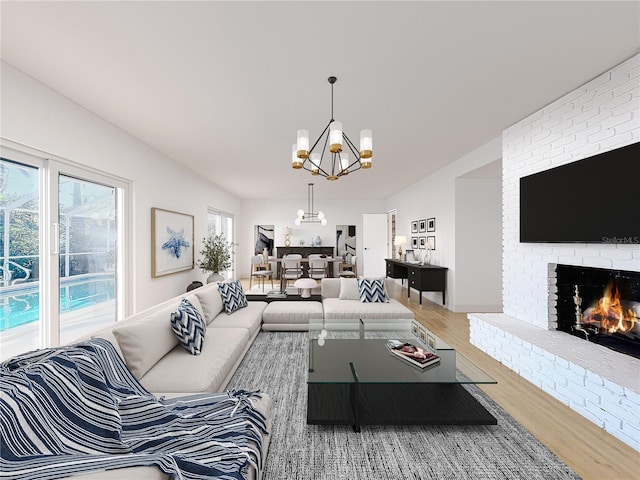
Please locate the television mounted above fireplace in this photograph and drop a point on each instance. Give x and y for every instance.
(594, 200)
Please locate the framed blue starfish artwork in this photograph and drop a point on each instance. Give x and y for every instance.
(172, 249)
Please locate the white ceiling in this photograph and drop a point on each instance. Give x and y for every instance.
(222, 87)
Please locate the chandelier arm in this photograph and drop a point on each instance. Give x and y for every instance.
(322, 171)
(321, 135)
(351, 145)
(355, 152)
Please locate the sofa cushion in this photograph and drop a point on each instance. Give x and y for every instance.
(211, 301)
(188, 325)
(209, 369)
(233, 296)
(372, 290)
(349, 289)
(354, 309)
(291, 313)
(249, 317)
(146, 340)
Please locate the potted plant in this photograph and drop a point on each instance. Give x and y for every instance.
(216, 257)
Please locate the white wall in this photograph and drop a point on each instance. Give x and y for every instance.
(282, 213)
(38, 117)
(435, 196)
(602, 115)
(478, 255)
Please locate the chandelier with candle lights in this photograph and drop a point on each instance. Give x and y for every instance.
(343, 157)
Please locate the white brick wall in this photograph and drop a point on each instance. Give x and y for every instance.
(605, 390)
(602, 115)
(601, 385)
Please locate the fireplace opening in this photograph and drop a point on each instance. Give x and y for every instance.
(601, 306)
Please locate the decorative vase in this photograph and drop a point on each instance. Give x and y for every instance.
(215, 277)
(318, 241)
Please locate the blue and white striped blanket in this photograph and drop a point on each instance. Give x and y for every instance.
(78, 409)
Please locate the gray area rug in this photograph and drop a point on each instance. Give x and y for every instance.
(276, 363)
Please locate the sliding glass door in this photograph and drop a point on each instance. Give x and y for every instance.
(19, 257)
(62, 249)
(87, 239)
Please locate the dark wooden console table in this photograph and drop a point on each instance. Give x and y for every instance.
(423, 278)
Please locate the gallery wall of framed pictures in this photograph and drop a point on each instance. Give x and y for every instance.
(423, 242)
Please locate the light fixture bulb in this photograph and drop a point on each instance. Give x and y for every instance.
(302, 144)
(316, 158)
(320, 215)
(335, 137)
(323, 222)
(295, 161)
(300, 213)
(297, 221)
(344, 163)
(366, 145)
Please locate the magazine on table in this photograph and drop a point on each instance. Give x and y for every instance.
(276, 294)
(412, 354)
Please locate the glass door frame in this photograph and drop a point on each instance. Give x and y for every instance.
(50, 168)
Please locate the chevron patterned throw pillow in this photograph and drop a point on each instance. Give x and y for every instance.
(233, 296)
(189, 326)
(372, 290)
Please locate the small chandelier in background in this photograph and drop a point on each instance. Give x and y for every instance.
(341, 162)
(310, 216)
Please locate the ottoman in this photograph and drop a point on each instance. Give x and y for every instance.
(290, 316)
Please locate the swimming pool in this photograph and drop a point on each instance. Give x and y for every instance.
(20, 303)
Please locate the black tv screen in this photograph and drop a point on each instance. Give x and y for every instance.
(594, 200)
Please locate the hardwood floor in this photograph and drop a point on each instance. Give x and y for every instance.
(590, 451)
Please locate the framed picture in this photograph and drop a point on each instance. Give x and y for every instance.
(414, 243)
(431, 242)
(431, 224)
(414, 226)
(423, 335)
(422, 227)
(171, 242)
(263, 237)
(423, 243)
(431, 342)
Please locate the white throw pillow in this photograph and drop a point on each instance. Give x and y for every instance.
(349, 289)
(146, 340)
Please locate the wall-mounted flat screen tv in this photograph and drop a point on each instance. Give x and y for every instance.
(594, 200)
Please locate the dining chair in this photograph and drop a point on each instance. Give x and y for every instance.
(318, 267)
(291, 268)
(348, 269)
(260, 271)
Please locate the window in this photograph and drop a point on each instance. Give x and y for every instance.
(61, 252)
(220, 223)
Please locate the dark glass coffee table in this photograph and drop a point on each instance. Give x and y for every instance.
(353, 379)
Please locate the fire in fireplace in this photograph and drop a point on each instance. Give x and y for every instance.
(601, 306)
(610, 314)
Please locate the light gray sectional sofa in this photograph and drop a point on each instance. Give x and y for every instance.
(164, 367)
(152, 352)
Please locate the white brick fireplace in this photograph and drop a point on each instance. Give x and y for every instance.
(602, 385)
